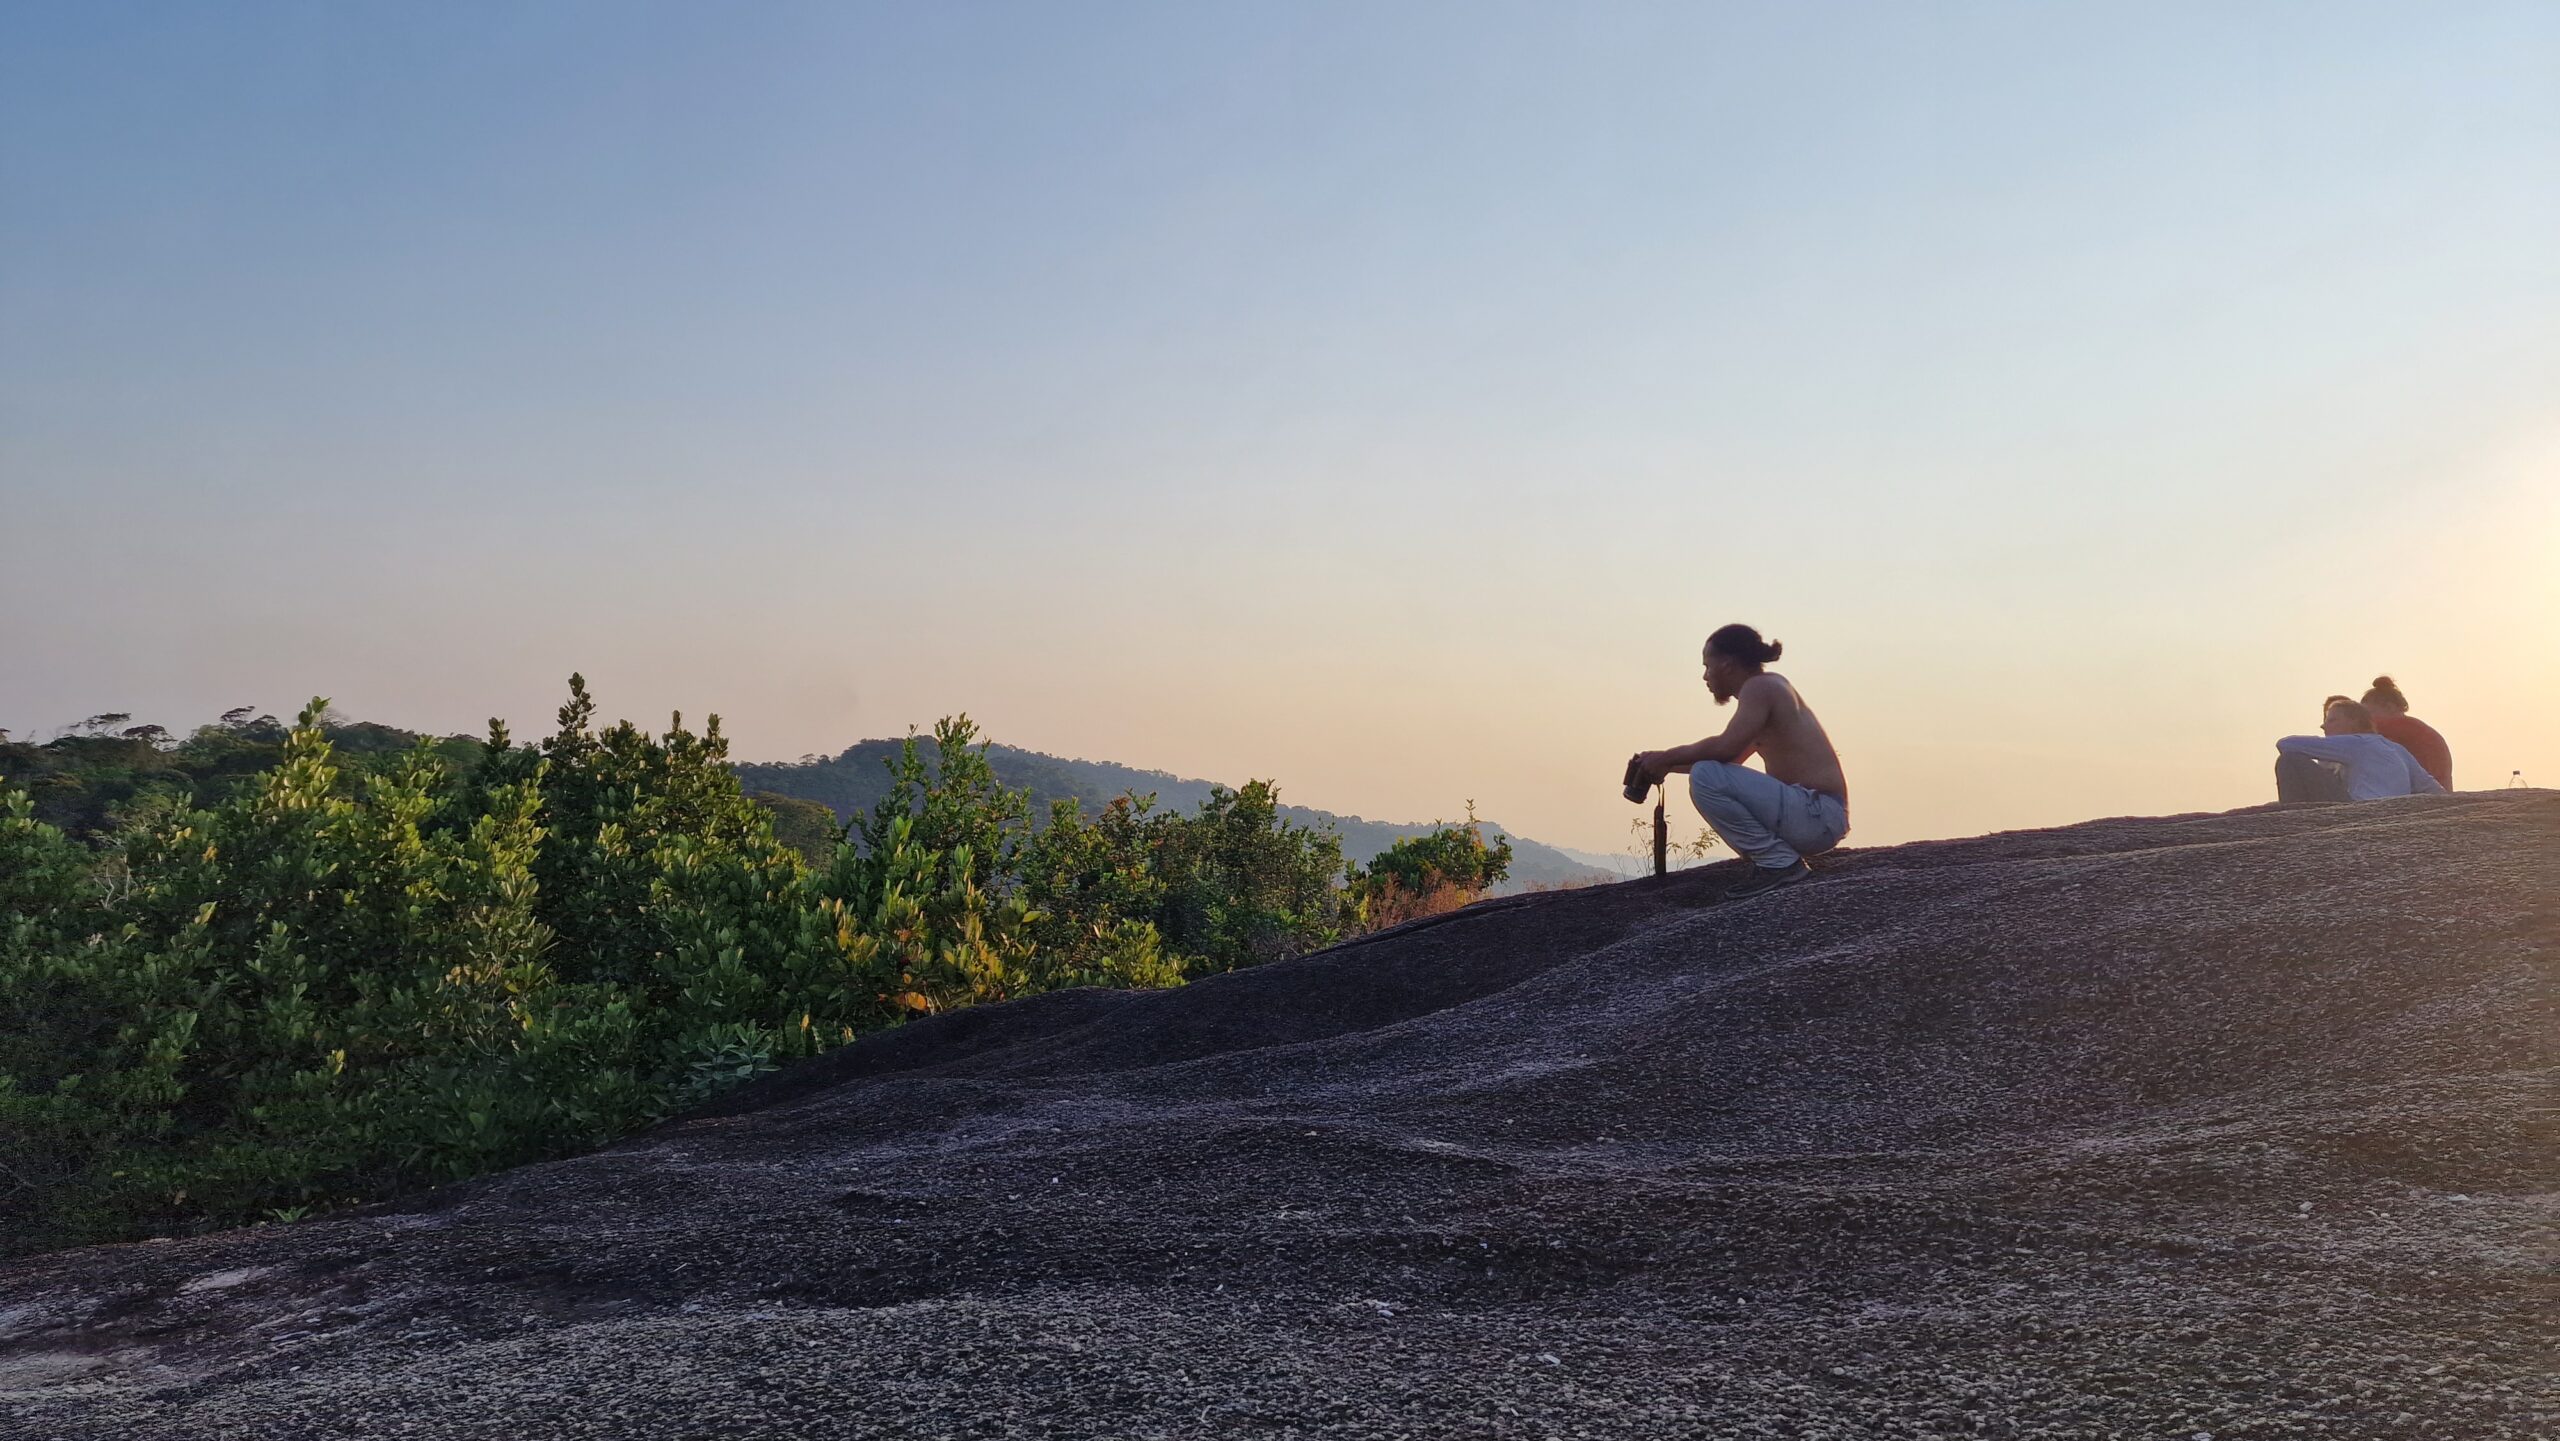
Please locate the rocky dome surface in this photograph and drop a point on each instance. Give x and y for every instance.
(2242, 1125)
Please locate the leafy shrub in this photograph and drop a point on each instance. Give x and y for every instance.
(270, 970)
(1429, 875)
(335, 985)
(1244, 886)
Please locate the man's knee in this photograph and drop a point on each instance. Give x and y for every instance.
(1712, 778)
(2301, 778)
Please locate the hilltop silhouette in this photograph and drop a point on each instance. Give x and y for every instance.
(851, 782)
(2239, 1124)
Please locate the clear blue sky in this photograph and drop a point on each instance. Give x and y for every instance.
(1385, 398)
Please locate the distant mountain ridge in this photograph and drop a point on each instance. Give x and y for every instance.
(853, 782)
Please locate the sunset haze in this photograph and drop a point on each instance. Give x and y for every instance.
(1382, 400)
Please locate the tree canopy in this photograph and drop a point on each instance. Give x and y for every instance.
(274, 968)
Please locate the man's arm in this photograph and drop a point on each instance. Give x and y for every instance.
(2420, 783)
(2319, 748)
(1738, 740)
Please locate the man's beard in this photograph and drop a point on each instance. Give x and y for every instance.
(1723, 696)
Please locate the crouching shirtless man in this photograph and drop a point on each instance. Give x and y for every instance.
(1801, 806)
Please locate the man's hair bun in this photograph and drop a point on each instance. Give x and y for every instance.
(1743, 644)
(2383, 682)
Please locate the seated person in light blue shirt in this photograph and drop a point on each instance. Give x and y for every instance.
(2347, 761)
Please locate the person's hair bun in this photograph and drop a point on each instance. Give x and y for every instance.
(1774, 648)
(2386, 694)
(1743, 644)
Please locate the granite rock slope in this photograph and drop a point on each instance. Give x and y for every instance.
(2246, 1125)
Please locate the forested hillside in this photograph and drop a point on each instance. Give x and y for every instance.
(852, 783)
(108, 769)
(269, 969)
(108, 774)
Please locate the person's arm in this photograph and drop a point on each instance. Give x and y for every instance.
(2319, 748)
(2420, 783)
(1738, 740)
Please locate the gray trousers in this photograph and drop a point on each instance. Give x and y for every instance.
(1768, 820)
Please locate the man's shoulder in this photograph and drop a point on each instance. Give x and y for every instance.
(1776, 692)
(2382, 747)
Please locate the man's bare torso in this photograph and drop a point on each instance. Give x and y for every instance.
(1791, 743)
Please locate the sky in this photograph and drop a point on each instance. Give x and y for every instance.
(1381, 399)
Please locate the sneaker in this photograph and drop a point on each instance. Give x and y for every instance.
(1765, 878)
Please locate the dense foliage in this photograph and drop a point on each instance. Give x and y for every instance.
(270, 969)
(1433, 873)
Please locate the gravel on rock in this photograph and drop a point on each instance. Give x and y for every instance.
(2243, 1126)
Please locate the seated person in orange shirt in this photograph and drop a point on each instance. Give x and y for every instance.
(2392, 721)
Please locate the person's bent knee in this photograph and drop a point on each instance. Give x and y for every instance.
(2301, 778)
(1714, 777)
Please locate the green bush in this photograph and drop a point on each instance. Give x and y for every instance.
(266, 976)
(322, 990)
(1450, 856)
(336, 985)
(1429, 875)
